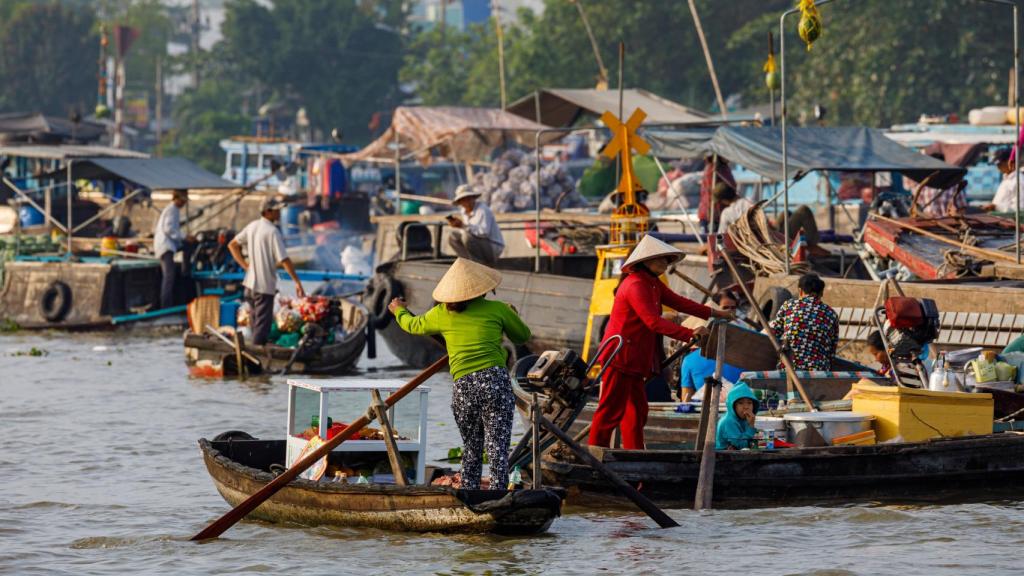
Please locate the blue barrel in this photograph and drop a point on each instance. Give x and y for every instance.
(290, 219)
(229, 312)
(29, 216)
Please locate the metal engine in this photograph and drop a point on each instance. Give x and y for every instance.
(559, 374)
(909, 325)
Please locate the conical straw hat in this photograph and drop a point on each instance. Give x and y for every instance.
(650, 247)
(466, 280)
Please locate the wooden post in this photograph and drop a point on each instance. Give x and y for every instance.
(706, 479)
(705, 413)
(389, 438)
(535, 424)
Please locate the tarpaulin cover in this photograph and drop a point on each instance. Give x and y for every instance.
(459, 134)
(677, 143)
(841, 149)
(564, 107)
(152, 173)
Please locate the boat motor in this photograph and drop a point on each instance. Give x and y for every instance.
(909, 325)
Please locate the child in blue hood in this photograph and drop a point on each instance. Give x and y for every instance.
(736, 429)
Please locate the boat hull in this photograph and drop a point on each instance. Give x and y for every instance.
(957, 469)
(385, 507)
(210, 356)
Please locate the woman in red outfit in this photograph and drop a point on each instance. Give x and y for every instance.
(636, 316)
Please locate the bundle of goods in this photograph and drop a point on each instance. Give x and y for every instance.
(511, 185)
(312, 320)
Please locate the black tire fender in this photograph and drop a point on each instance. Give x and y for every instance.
(55, 302)
(233, 435)
(772, 301)
(380, 291)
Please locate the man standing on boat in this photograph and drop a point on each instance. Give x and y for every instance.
(265, 245)
(1005, 199)
(478, 237)
(636, 316)
(168, 240)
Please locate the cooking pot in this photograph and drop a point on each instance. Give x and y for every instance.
(829, 424)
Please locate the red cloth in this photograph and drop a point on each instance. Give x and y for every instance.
(623, 404)
(636, 316)
(724, 175)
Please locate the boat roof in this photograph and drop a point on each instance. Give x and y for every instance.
(920, 135)
(809, 148)
(66, 151)
(349, 384)
(37, 127)
(565, 106)
(152, 173)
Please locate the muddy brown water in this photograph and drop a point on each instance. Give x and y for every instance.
(100, 474)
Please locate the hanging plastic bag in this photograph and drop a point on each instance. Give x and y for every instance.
(771, 72)
(810, 22)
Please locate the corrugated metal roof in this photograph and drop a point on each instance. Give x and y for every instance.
(152, 173)
(65, 151)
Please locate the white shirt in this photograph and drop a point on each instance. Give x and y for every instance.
(733, 213)
(1005, 198)
(265, 247)
(167, 235)
(481, 224)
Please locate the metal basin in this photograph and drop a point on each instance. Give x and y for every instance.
(829, 424)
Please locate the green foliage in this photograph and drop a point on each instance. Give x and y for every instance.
(338, 58)
(48, 54)
(202, 118)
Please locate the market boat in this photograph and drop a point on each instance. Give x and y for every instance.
(241, 467)
(395, 489)
(211, 356)
(935, 470)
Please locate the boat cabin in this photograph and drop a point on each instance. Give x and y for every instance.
(322, 408)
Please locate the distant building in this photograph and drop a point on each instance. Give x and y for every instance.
(460, 14)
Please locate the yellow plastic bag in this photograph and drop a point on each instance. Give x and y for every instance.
(810, 22)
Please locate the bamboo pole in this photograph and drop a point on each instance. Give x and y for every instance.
(706, 478)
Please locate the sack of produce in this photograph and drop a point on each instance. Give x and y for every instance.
(288, 320)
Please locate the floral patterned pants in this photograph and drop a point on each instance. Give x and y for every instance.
(484, 406)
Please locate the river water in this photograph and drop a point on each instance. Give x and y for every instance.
(100, 474)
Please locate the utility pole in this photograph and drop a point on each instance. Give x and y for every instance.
(602, 72)
(496, 10)
(196, 27)
(707, 57)
(159, 89)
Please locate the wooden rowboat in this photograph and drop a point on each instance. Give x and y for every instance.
(239, 468)
(210, 356)
(954, 469)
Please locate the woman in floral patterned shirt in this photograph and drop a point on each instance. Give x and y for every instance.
(807, 327)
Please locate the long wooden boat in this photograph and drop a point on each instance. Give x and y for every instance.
(954, 469)
(210, 356)
(241, 467)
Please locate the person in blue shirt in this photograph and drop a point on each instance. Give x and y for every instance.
(695, 368)
(736, 429)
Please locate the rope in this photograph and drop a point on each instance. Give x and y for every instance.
(753, 238)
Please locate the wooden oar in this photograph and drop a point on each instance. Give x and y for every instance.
(786, 361)
(706, 477)
(623, 487)
(252, 502)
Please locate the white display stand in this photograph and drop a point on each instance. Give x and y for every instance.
(344, 401)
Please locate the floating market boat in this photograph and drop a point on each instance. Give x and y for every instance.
(936, 470)
(239, 468)
(395, 489)
(210, 355)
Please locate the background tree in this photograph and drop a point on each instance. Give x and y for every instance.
(48, 54)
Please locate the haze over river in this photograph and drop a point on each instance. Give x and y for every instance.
(100, 474)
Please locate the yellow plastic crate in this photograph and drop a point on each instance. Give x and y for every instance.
(915, 415)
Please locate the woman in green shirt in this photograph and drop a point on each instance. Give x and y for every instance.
(473, 329)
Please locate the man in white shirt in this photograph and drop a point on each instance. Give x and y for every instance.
(478, 238)
(1005, 199)
(735, 206)
(167, 240)
(266, 250)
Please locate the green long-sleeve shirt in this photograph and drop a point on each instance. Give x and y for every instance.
(473, 336)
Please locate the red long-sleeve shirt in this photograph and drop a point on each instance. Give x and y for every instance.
(636, 316)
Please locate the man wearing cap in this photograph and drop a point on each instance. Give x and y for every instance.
(265, 246)
(167, 240)
(636, 316)
(1005, 199)
(478, 238)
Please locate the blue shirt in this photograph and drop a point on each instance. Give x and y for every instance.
(696, 367)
